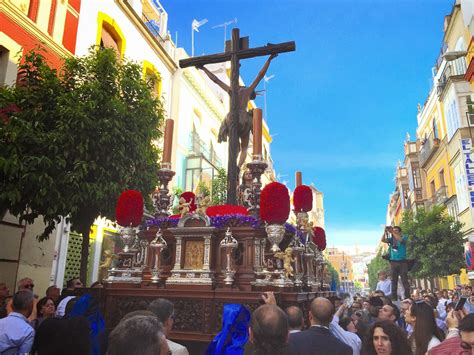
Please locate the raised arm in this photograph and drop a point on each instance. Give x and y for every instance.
(215, 79)
(262, 72)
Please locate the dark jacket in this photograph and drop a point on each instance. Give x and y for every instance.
(317, 341)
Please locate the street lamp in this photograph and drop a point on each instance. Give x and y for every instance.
(450, 56)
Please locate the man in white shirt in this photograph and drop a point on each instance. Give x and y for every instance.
(164, 310)
(384, 284)
(347, 337)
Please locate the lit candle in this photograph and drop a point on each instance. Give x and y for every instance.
(257, 133)
(298, 178)
(168, 141)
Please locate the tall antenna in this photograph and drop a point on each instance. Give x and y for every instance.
(195, 27)
(225, 24)
(266, 79)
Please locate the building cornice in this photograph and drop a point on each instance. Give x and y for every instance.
(18, 17)
(212, 107)
(150, 38)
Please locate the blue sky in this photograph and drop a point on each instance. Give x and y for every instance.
(340, 106)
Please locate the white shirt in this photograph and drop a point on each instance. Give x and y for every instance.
(441, 307)
(177, 349)
(433, 342)
(349, 338)
(61, 310)
(385, 286)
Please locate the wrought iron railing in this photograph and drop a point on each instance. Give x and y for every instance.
(428, 148)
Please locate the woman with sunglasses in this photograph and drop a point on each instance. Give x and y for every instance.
(426, 333)
(386, 338)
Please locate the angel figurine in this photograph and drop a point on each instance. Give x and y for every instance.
(287, 257)
(203, 204)
(184, 206)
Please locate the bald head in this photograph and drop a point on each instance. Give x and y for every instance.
(322, 311)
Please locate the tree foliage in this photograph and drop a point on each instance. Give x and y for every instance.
(376, 265)
(333, 274)
(219, 188)
(77, 140)
(435, 241)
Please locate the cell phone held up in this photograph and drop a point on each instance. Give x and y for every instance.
(460, 303)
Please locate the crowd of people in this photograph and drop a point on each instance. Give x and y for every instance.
(428, 322)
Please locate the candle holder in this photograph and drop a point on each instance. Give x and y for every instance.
(228, 244)
(257, 167)
(158, 245)
(162, 198)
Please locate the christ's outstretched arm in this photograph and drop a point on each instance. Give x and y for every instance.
(215, 79)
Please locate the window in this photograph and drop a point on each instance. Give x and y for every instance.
(435, 130)
(33, 10)
(4, 58)
(433, 188)
(441, 178)
(151, 75)
(109, 34)
(416, 177)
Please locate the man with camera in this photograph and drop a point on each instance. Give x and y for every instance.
(397, 253)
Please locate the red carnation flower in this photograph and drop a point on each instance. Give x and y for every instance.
(223, 210)
(190, 197)
(129, 210)
(319, 238)
(303, 199)
(274, 203)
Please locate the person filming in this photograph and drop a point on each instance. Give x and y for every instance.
(397, 252)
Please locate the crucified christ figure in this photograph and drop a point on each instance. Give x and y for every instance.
(244, 95)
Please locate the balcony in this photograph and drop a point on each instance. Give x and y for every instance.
(454, 70)
(439, 198)
(155, 17)
(428, 148)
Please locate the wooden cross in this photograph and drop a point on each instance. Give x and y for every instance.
(238, 49)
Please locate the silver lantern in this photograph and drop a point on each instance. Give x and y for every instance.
(228, 244)
(158, 245)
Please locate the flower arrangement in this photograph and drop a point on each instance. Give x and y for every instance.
(319, 238)
(222, 210)
(129, 209)
(189, 196)
(274, 203)
(303, 199)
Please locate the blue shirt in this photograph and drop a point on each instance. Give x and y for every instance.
(398, 249)
(16, 335)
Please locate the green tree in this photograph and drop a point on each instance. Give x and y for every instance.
(219, 188)
(376, 265)
(333, 274)
(435, 241)
(77, 140)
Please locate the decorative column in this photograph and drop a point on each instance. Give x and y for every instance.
(162, 198)
(257, 166)
(177, 263)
